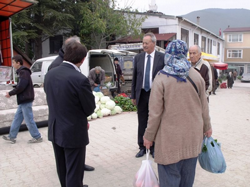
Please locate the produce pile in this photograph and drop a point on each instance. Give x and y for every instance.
(125, 102)
(104, 106)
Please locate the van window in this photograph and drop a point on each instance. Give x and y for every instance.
(37, 67)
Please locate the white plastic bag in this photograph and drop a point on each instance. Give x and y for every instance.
(145, 177)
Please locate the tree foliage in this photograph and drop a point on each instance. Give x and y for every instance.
(102, 21)
(95, 21)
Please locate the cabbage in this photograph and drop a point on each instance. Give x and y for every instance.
(118, 109)
(96, 99)
(89, 118)
(97, 108)
(99, 114)
(94, 116)
(110, 104)
(104, 99)
(99, 94)
(102, 106)
(105, 112)
(113, 112)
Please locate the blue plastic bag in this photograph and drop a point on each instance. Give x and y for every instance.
(97, 89)
(212, 159)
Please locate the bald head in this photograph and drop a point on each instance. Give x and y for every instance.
(194, 54)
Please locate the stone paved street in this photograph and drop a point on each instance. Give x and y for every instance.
(113, 147)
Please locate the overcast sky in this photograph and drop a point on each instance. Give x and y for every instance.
(181, 7)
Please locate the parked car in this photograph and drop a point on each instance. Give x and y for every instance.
(39, 69)
(245, 77)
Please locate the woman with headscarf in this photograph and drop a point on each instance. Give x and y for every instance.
(178, 118)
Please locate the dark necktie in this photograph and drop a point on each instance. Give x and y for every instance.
(147, 76)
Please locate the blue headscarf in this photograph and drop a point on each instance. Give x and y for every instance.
(176, 63)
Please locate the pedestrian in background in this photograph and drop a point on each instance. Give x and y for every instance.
(235, 74)
(216, 81)
(118, 74)
(24, 92)
(70, 101)
(230, 80)
(146, 66)
(178, 118)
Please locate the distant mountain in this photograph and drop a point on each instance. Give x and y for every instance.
(213, 19)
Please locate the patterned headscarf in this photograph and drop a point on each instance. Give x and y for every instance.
(176, 63)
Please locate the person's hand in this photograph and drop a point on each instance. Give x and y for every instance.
(95, 84)
(7, 95)
(133, 101)
(147, 143)
(88, 126)
(100, 87)
(208, 133)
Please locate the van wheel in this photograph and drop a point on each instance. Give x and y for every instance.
(36, 86)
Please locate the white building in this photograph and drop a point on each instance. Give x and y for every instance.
(167, 28)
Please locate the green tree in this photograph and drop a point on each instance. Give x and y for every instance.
(95, 21)
(102, 21)
(36, 24)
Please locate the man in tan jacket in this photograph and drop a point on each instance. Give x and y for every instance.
(178, 118)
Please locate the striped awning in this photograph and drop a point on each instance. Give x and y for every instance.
(10, 7)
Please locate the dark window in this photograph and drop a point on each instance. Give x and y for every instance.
(203, 44)
(55, 44)
(218, 49)
(209, 46)
(185, 36)
(37, 67)
(196, 39)
(153, 30)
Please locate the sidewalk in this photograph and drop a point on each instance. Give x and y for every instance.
(113, 147)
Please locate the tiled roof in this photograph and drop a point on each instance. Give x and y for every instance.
(239, 29)
(159, 37)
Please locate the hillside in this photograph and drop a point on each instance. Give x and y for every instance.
(213, 19)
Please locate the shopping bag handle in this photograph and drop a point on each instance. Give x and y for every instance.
(147, 153)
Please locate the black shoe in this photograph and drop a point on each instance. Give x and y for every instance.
(140, 153)
(88, 168)
(85, 185)
(214, 93)
(153, 154)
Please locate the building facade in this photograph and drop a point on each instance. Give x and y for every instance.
(167, 28)
(237, 49)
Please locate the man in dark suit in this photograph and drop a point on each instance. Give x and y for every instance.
(57, 62)
(70, 101)
(146, 66)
